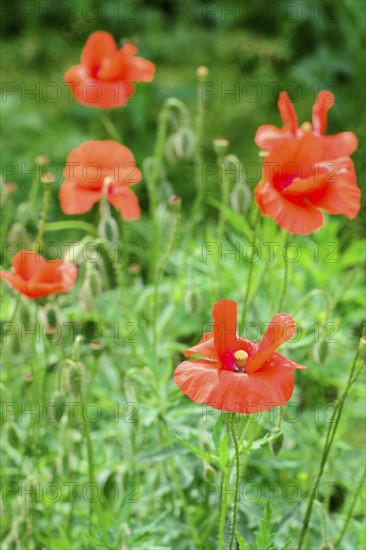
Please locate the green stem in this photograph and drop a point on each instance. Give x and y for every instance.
(224, 199)
(74, 224)
(282, 299)
(111, 129)
(198, 156)
(237, 480)
(223, 507)
(160, 267)
(89, 446)
(350, 511)
(152, 180)
(13, 317)
(332, 428)
(250, 272)
(45, 208)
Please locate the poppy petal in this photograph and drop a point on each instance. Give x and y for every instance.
(300, 217)
(77, 200)
(99, 46)
(205, 347)
(139, 70)
(340, 196)
(267, 136)
(224, 314)
(288, 113)
(97, 93)
(125, 200)
(323, 103)
(281, 328)
(203, 382)
(342, 144)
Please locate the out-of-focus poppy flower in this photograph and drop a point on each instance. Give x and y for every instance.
(106, 75)
(34, 276)
(299, 179)
(236, 374)
(97, 167)
(339, 145)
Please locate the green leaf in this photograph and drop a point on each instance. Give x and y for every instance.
(264, 536)
(197, 451)
(241, 542)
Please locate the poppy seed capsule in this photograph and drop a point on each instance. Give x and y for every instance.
(307, 127)
(241, 358)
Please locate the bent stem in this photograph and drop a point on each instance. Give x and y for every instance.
(333, 424)
(282, 299)
(111, 129)
(152, 180)
(250, 272)
(198, 156)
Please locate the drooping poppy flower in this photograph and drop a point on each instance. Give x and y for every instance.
(106, 75)
(299, 180)
(97, 167)
(34, 276)
(236, 374)
(339, 145)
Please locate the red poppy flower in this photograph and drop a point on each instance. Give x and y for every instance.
(339, 145)
(34, 276)
(299, 179)
(97, 167)
(106, 75)
(236, 374)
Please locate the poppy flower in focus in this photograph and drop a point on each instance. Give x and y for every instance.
(299, 180)
(96, 168)
(106, 75)
(35, 277)
(339, 145)
(236, 374)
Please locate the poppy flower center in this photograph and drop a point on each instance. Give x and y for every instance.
(241, 358)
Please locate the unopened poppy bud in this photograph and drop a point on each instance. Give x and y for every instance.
(25, 213)
(108, 228)
(241, 358)
(18, 234)
(202, 72)
(48, 178)
(209, 473)
(58, 405)
(220, 146)
(42, 160)
(10, 187)
(184, 143)
(175, 201)
(91, 288)
(275, 445)
(52, 314)
(14, 437)
(241, 198)
(134, 269)
(75, 377)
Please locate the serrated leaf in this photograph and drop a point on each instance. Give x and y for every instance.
(241, 542)
(197, 451)
(264, 537)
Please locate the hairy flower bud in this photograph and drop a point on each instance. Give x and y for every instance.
(275, 445)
